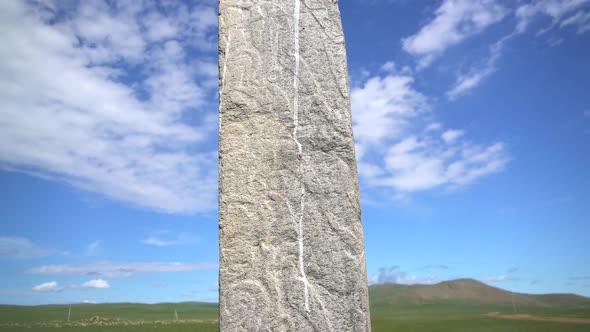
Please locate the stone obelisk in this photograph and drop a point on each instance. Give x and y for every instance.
(290, 235)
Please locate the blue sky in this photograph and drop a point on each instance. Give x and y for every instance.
(471, 121)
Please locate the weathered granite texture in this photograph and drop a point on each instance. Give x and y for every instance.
(291, 240)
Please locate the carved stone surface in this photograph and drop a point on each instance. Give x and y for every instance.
(291, 240)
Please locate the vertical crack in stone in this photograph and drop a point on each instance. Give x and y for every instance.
(225, 55)
(302, 276)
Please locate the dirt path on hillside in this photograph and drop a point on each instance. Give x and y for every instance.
(538, 318)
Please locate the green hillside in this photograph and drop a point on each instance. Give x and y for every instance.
(468, 292)
(467, 305)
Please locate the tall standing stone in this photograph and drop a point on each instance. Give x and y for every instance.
(290, 234)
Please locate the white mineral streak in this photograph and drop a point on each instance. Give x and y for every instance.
(290, 233)
(300, 149)
(296, 76)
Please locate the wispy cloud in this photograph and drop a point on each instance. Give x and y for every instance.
(581, 20)
(560, 200)
(557, 10)
(498, 278)
(512, 270)
(190, 294)
(158, 284)
(477, 74)
(165, 238)
(393, 274)
(48, 287)
(580, 278)
(94, 248)
(434, 267)
(118, 269)
(454, 21)
(20, 247)
(507, 276)
(96, 94)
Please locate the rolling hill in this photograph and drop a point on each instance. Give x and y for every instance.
(468, 292)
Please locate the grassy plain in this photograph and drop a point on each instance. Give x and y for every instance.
(462, 318)
(114, 317)
(456, 306)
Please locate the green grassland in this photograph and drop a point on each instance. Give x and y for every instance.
(119, 317)
(125, 311)
(455, 306)
(192, 327)
(462, 318)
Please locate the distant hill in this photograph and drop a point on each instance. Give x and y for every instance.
(467, 292)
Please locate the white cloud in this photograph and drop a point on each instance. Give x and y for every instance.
(388, 66)
(168, 238)
(117, 269)
(556, 9)
(393, 274)
(424, 163)
(383, 108)
(109, 34)
(455, 21)
(503, 277)
(20, 247)
(499, 278)
(435, 126)
(48, 287)
(391, 68)
(53, 287)
(160, 27)
(92, 97)
(96, 283)
(400, 147)
(451, 135)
